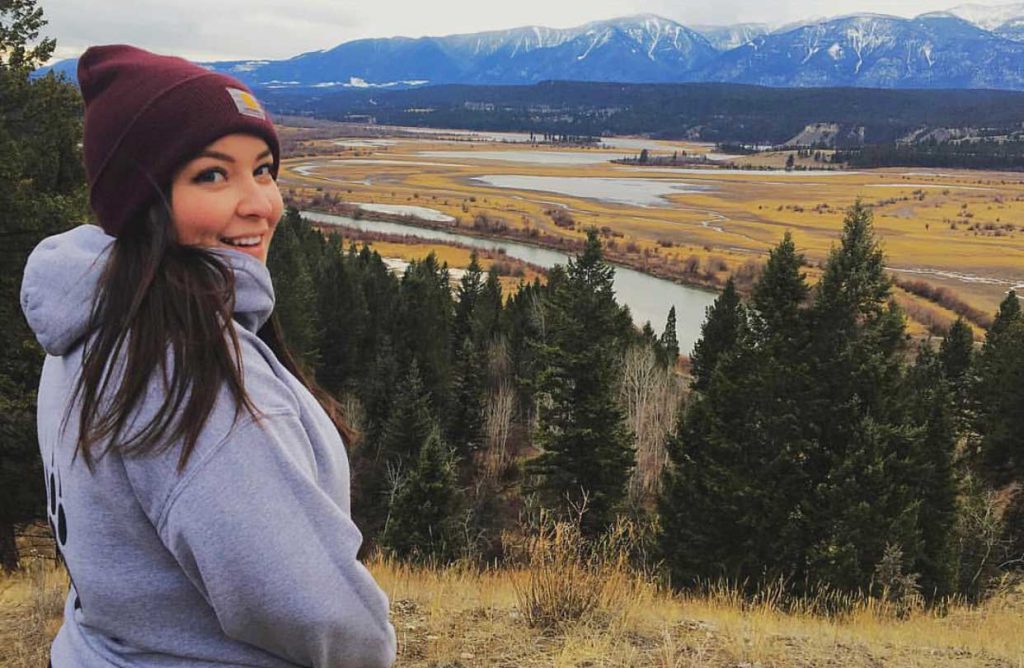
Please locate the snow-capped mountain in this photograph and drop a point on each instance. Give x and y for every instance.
(935, 50)
(930, 51)
(989, 17)
(637, 48)
(729, 37)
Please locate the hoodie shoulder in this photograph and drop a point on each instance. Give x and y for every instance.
(59, 283)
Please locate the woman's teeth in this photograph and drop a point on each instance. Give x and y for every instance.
(243, 241)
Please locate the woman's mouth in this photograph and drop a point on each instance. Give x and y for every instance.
(243, 242)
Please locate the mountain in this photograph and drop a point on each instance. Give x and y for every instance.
(878, 51)
(637, 48)
(724, 38)
(988, 17)
(936, 50)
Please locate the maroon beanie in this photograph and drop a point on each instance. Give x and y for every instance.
(146, 115)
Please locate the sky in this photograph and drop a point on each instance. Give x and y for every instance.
(253, 29)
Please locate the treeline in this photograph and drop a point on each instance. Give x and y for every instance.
(817, 451)
(726, 113)
(1007, 155)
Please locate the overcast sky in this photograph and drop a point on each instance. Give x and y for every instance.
(243, 29)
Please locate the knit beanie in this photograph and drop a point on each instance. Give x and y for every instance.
(146, 115)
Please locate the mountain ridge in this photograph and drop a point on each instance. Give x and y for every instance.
(932, 50)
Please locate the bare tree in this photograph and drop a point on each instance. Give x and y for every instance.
(650, 396)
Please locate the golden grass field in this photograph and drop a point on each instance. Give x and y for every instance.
(464, 617)
(963, 230)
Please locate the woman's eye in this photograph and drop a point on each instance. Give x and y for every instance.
(210, 175)
(268, 167)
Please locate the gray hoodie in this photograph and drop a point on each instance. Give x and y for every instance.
(247, 557)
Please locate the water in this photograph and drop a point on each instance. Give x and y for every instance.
(648, 298)
(408, 210)
(635, 192)
(529, 156)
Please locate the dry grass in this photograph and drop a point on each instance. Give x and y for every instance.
(31, 610)
(464, 616)
(946, 221)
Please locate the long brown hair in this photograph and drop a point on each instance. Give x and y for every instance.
(158, 298)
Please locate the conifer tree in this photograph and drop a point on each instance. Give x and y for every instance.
(668, 344)
(489, 307)
(424, 326)
(723, 322)
(344, 317)
(469, 294)
(465, 422)
(862, 501)
(930, 469)
(999, 393)
(409, 423)
(42, 192)
(956, 356)
(423, 524)
(294, 289)
(586, 448)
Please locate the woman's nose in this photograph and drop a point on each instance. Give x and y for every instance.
(255, 199)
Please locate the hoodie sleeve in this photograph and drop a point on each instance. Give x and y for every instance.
(273, 554)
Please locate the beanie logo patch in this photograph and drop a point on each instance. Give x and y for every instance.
(246, 103)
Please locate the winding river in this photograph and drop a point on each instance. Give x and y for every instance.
(648, 298)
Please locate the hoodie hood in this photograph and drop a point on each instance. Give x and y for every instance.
(63, 272)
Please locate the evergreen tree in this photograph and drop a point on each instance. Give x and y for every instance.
(668, 344)
(930, 469)
(778, 297)
(294, 289)
(424, 325)
(956, 355)
(409, 423)
(469, 294)
(344, 317)
(586, 448)
(862, 501)
(424, 517)
(465, 423)
(42, 192)
(489, 307)
(719, 334)
(731, 505)
(999, 393)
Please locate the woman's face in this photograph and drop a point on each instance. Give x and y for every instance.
(227, 197)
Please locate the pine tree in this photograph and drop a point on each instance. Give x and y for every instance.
(956, 356)
(668, 344)
(465, 423)
(778, 297)
(469, 294)
(424, 516)
(586, 448)
(723, 322)
(998, 394)
(294, 289)
(42, 192)
(861, 501)
(424, 325)
(930, 469)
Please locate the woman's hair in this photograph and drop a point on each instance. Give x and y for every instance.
(158, 300)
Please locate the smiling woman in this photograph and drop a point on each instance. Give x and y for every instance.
(227, 196)
(208, 521)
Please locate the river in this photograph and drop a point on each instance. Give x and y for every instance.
(649, 298)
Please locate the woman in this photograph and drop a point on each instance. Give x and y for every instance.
(197, 483)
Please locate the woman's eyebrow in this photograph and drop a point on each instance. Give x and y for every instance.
(227, 158)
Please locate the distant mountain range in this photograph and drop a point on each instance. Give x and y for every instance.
(970, 46)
